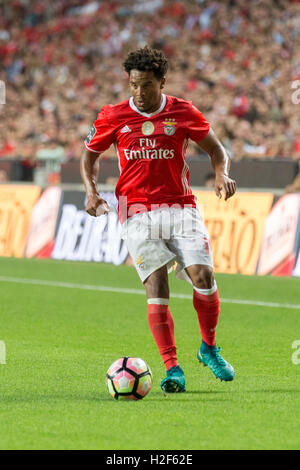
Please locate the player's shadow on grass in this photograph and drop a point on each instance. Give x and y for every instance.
(98, 397)
(52, 398)
(191, 395)
(213, 395)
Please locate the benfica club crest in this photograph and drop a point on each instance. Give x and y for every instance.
(170, 126)
(139, 261)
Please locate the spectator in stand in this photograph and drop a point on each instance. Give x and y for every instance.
(236, 59)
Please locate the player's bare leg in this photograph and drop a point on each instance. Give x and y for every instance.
(162, 327)
(207, 305)
(202, 276)
(157, 284)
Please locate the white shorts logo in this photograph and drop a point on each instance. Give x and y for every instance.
(140, 262)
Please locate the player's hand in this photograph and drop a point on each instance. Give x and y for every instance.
(224, 184)
(96, 206)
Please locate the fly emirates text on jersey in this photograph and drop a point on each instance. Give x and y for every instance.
(148, 151)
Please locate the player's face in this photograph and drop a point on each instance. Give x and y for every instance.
(145, 90)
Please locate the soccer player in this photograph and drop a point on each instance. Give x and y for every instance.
(160, 220)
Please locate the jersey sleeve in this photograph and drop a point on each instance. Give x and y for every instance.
(101, 134)
(197, 126)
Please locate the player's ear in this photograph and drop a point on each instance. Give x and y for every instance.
(163, 82)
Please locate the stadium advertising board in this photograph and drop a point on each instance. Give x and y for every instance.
(40, 241)
(16, 204)
(280, 237)
(81, 237)
(235, 228)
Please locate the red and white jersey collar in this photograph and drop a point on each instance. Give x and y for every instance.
(163, 104)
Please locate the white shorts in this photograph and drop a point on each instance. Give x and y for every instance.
(163, 236)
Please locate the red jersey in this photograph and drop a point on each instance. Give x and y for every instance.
(151, 149)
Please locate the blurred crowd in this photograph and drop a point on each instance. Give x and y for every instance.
(237, 60)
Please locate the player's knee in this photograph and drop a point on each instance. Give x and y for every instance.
(157, 285)
(204, 278)
(157, 291)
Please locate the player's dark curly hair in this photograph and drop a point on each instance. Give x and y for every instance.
(146, 60)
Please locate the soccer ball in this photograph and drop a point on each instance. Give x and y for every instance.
(129, 378)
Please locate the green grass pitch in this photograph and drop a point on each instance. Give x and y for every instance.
(60, 342)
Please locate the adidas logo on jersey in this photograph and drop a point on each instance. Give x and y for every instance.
(125, 129)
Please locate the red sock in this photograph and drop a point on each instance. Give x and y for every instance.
(208, 311)
(162, 327)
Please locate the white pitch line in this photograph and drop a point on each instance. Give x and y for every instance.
(122, 290)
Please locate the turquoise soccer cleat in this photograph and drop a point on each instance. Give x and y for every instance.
(209, 356)
(174, 382)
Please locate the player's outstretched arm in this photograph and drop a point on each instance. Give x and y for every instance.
(221, 164)
(89, 169)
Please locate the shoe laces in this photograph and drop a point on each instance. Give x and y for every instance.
(219, 358)
(174, 370)
(214, 351)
